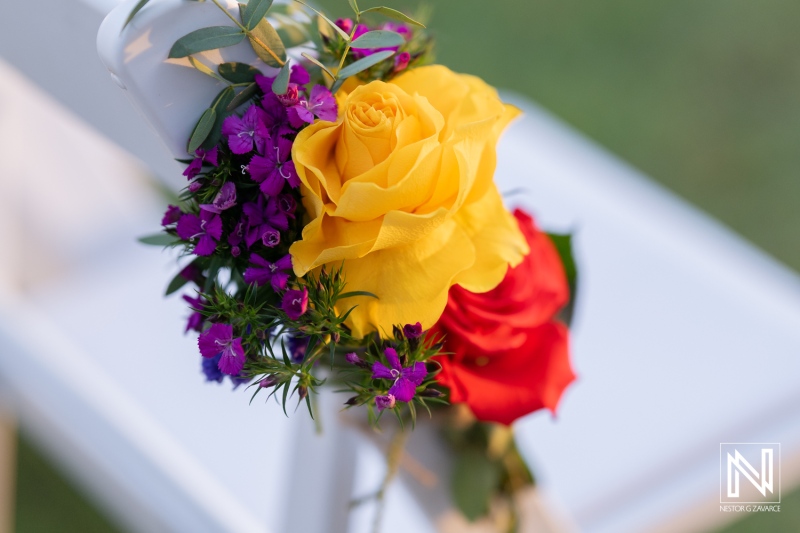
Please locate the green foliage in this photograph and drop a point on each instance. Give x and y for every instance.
(281, 82)
(394, 14)
(254, 11)
(159, 239)
(358, 66)
(238, 72)
(138, 7)
(202, 129)
(265, 34)
(206, 39)
(202, 67)
(474, 482)
(563, 245)
(379, 39)
(244, 95)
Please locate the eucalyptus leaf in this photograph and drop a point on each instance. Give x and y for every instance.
(364, 63)
(291, 33)
(320, 65)
(206, 39)
(201, 130)
(254, 11)
(175, 285)
(266, 34)
(332, 24)
(220, 106)
(159, 239)
(394, 14)
(138, 7)
(246, 94)
(202, 67)
(475, 479)
(281, 82)
(379, 39)
(354, 5)
(357, 293)
(238, 72)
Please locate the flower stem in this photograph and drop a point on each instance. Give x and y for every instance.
(393, 459)
(249, 34)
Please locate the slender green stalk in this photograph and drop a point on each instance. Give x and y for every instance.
(249, 34)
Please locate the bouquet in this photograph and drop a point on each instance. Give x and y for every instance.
(341, 227)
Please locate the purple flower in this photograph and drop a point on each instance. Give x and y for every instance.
(172, 215)
(235, 238)
(245, 131)
(205, 229)
(274, 112)
(218, 339)
(275, 168)
(263, 222)
(196, 319)
(297, 348)
(397, 27)
(412, 331)
(385, 402)
(295, 303)
(361, 29)
(299, 75)
(277, 273)
(192, 272)
(406, 380)
(321, 104)
(197, 163)
(290, 97)
(345, 24)
(269, 381)
(211, 369)
(225, 199)
(287, 204)
(401, 61)
(352, 358)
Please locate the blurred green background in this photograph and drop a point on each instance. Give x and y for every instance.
(703, 96)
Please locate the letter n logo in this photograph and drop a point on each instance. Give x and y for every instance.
(748, 473)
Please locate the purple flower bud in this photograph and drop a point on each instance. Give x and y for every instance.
(287, 204)
(432, 393)
(401, 61)
(195, 186)
(412, 331)
(172, 215)
(236, 251)
(269, 381)
(385, 402)
(345, 24)
(352, 401)
(271, 238)
(295, 303)
(352, 358)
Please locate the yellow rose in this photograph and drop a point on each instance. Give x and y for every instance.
(401, 188)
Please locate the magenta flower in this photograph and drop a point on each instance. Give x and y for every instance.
(401, 61)
(295, 303)
(172, 215)
(205, 230)
(196, 319)
(345, 24)
(275, 168)
(235, 238)
(299, 75)
(218, 339)
(201, 156)
(225, 199)
(406, 380)
(385, 402)
(246, 131)
(287, 204)
(321, 104)
(276, 274)
(263, 222)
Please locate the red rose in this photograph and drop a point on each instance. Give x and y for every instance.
(509, 356)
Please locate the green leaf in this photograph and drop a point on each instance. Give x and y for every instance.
(320, 65)
(220, 106)
(246, 94)
(563, 245)
(202, 67)
(394, 14)
(265, 33)
(281, 82)
(206, 39)
(138, 7)
(357, 66)
(379, 39)
(475, 479)
(354, 5)
(177, 282)
(254, 12)
(238, 72)
(159, 239)
(201, 130)
(356, 293)
(332, 24)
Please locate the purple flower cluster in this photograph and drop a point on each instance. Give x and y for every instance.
(401, 60)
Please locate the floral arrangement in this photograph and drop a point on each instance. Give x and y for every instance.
(341, 225)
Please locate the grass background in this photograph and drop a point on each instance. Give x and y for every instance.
(703, 96)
